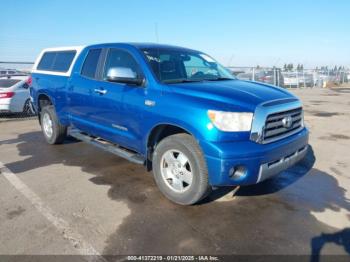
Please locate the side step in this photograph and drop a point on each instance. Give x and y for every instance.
(105, 145)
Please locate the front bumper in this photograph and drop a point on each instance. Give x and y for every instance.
(273, 168)
(260, 161)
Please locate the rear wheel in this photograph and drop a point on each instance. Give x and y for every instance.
(28, 109)
(180, 170)
(53, 131)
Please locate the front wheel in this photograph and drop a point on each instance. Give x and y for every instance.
(53, 131)
(180, 170)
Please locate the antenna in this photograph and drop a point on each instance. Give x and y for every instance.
(230, 60)
(158, 52)
(156, 32)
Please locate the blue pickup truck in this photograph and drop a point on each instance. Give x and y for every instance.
(174, 110)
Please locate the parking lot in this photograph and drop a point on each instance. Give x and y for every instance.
(76, 199)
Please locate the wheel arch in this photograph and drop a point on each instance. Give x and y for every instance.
(43, 99)
(158, 133)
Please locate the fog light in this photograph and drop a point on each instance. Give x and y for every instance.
(238, 172)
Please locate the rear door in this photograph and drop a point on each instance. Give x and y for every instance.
(14, 93)
(81, 90)
(21, 96)
(7, 93)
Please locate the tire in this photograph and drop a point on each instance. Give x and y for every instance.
(28, 109)
(54, 133)
(171, 169)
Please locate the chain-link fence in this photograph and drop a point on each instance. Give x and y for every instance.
(300, 78)
(15, 99)
(14, 91)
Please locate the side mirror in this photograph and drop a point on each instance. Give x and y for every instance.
(123, 75)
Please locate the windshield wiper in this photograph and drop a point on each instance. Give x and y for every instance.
(219, 79)
(185, 80)
(177, 81)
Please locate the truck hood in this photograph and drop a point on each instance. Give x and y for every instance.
(233, 92)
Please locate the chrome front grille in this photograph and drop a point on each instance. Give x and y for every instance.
(282, 124)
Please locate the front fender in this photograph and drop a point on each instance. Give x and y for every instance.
(189, 129)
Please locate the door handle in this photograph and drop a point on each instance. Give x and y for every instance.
(100, 91)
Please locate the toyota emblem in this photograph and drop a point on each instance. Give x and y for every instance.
(287, 121)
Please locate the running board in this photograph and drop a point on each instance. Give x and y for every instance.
(107, 146)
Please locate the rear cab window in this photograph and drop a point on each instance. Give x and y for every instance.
(57, 61)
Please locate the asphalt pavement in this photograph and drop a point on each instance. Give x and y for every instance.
(76, 199)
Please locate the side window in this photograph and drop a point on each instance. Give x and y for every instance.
(90, 63)
(63, 61)
(120, 58)
(46, 61)
(59, 61)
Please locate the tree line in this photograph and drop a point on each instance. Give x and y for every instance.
(300, 67)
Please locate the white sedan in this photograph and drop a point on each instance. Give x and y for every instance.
(14, 95)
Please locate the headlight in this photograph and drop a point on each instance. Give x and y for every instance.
(231, 122)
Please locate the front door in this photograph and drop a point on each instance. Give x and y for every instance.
(112, 115)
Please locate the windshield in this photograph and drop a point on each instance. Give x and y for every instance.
(180, 65)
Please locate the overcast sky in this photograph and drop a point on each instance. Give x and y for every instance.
(237, 33)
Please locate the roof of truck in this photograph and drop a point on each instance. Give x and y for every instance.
(134, 44)
(155, 45)
(141, 45)
(79, 49)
